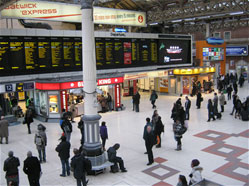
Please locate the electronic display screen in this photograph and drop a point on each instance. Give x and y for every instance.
(213, 54)
(68, 52)
(78, 52)
(56, 52)
(30, 49)
(109, 52)
(16, 53)
(118, 52)
(172, 51)
(100, 51)
(4, 50)
(135, 57)
(44, 53)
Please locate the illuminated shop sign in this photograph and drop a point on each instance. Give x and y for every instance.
(191, 71)
(237, 50)
(53, 11)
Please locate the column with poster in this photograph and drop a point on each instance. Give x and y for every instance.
(185, 85)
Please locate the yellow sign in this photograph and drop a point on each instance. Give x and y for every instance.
(52, 11)
(193, 71)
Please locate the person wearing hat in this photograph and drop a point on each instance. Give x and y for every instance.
(40, 141)
(63, 150)
(11, 165)
(195, 175)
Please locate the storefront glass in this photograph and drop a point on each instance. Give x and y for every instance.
(53, 104)
(42, 103)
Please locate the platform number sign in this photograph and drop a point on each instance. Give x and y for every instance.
(9, 88)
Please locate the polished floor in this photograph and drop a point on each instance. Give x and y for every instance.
(221, 146)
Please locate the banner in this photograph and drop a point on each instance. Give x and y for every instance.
(52, 11)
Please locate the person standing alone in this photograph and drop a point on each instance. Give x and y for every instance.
(187, 107)
(149, 142)
(4, 130)
(32, 168)
(41, 143)
(153, 98)
(222, 101)
(103, 134)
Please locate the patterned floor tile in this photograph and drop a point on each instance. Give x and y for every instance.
(160, 160)
(213, 135)
(162, 184)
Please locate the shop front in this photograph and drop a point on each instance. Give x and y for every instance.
(51, 99)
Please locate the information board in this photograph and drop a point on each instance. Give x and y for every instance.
(56, 52)
(4, 50)
(109, 51)
(100, 51)
(118, 52)
(16, 53)
(44, 53)
(68, 52)
(154, 51)
(78, 52)
(135, 57)
(145, 52)
(30, 48)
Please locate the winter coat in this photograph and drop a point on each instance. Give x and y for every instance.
(145, 129)
(215, 101)
(32, 167)
(112, 154)
(66, 124)
(103, 132)
(187, 104)
(150, 139)
(11, 165)
(4, 130)
(196, 174)
(136, 99)
(159, 128)
(28, 116)
(198, 99)
(44, 139)
(77, 163)
(153, 96)
(64, 150)
(222, 100)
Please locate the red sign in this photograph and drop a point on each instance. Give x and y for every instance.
(76, 84)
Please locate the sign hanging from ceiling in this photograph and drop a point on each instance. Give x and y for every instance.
(51, 11)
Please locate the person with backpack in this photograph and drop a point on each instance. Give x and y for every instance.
(112, 157)
(159, 128)
(79, 168)
(179, 129)
(41, 142)
(28, 119)
(11, 165)
(67, 128)
(63, 150)
(32, 168)
(153, 98)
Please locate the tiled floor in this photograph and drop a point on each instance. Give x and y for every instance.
(221, 146)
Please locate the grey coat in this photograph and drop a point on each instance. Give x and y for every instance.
(4, 130)
(222, 100)
(44, 139)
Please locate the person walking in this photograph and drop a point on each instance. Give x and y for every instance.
(150, 139)
(159, 128)
(222, 101)
(32, 168)
(187, 107)
(210, 110)
(195, 175)
(67, 128)
(235, 87)
(41, 142)
(148, 123)
(178, 130)
(28, 119)
(137, 101)
(154, 119)
(63, 150)
(109, 101)
(103, 133)
(112, 157)
(241, 80)
(215, 104)
(82, 129)
(11, 165)
(234, 102)
(4, 130)
(238, 107)
(229, 92)
(199, 99)
(153, 98)
(78, 167)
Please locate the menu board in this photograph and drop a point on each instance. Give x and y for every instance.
(100, 51)
(135, 51)
(56, 52)
(118, 52)
(4, 48)
(78, 51)
(30, 49)
(68, 52)
(153, 53)
(44, 53)
(16, 53)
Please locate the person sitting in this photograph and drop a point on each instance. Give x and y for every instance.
(112, 157)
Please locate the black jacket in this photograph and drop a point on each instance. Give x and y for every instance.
(11, 166)
(112, 154)
(150, 139)
(77, 163)
(66, 124)
(32, 167)
(64, 150)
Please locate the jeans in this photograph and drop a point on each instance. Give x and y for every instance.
(68, 136)
(109, 106)
(42, 154)
(65, 167)
(178, 139)
(120, 161)
(187, 114)
(103, 142)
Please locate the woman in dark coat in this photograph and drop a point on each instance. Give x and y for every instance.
(28, 119)
(210, 110)
(159, 128)
(198, 100)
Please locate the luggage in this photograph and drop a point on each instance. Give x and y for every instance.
(244, 115)
(218, 115)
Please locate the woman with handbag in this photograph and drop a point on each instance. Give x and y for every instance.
(28, 119)
(159, 128)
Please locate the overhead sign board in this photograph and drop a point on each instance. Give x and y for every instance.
(214, 41)
(237, 50)
(52, 11)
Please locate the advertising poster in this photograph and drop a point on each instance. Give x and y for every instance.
(164, 84)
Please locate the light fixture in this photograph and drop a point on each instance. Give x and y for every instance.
(236, 13)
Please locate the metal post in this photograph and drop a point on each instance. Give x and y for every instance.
(92, 146)
(207, 30)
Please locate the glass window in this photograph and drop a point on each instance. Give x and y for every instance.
(217, 34)
(53, 104)
(227, 35)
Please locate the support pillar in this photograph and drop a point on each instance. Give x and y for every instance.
(92, 146)
(207, 30)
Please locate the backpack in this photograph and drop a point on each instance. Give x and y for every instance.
(87, 165)
(38, 140)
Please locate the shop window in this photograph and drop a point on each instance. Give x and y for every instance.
(53, 104)
(227, 35)
(217, 34)
(43, 103)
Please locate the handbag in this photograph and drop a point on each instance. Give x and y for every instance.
(225, 102)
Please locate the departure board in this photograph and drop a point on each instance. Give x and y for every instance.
(16, 53)
(118, 52)
(109, 51)
(68, 52)
(30, 49)
(56, 52)
(44, 53)
(78, 52)
(100, 51)
(4, 50)
(145, 52)
(154, 51)
(135, 51)
(127, 52)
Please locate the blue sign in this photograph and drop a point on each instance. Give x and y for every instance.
(9, 88)
(120, 30)
(214, 41)
(237, 50)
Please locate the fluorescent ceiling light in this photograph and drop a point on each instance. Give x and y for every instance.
(153, 24)
(189, 19)
(175, 21)
(236, 13)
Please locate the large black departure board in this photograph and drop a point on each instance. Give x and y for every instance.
(40, 54)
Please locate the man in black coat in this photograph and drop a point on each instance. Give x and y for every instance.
(11, 165)
(137, 101)
(64, 153)
(149, 142)
(32, 168)
(79, 170)
(187, 107)
(198, 100)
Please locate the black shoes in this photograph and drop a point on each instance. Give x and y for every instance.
(146, 153)
(62, 175)
(150, 163)
(123, 170)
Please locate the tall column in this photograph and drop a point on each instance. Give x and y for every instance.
(207, 30)
(92, 145)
